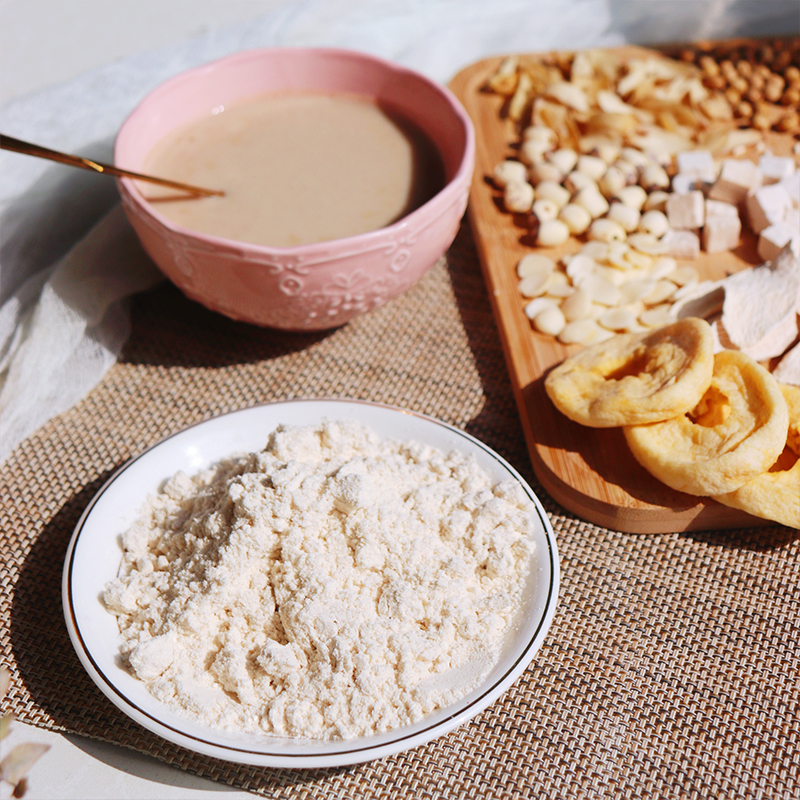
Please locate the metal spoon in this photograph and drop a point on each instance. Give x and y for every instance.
(18, 146)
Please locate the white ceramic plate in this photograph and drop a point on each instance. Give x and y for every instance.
(95, 551)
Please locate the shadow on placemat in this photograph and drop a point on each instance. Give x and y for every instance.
(170, 330)
(759, 540)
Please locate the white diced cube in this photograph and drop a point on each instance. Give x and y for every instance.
(685, 182)
(680, 244)
(716, 208)
(792, 221)
(792, 185)
(774, 238)
(775, 168)
(686, 211)
(721, 232)
(699, 163)
(766, 206)
(736, 180)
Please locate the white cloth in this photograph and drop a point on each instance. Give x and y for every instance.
(67, 257)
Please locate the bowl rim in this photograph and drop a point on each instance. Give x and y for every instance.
(459, 182)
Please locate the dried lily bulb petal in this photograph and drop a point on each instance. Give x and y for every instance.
(601, 290)
(616, 277)
(735, 433)
(662, 291)
(583, 331)
(646, 243)
(580, 267)
(560, 291)
(538, 304)
(774, 494)
(550, 321)
(534, 275)
(558, 278)
(618, 255)
(662, 267)
(644, 377)
(684, 275)
(596, 250)
(657, 316)
(533, 285)
(577, 306)
(637, 258)
(620, 319)
(534, 263)
(635, 289)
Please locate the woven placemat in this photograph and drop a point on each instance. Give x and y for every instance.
(671, 669)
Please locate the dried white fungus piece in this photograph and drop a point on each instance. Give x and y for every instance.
(759, 311)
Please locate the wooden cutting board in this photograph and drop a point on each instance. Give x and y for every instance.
(590, 472)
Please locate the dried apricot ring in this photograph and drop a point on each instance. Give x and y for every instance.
(775, 494)
(735, 433)
(635, 378)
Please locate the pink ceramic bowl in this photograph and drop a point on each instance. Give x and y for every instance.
(310, 287)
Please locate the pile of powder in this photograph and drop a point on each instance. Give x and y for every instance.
(333, 585)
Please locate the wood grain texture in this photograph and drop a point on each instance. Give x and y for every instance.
(589, 471)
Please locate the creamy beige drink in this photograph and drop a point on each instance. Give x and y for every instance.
(296, 169)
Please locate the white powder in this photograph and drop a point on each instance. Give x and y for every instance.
(331, 586)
